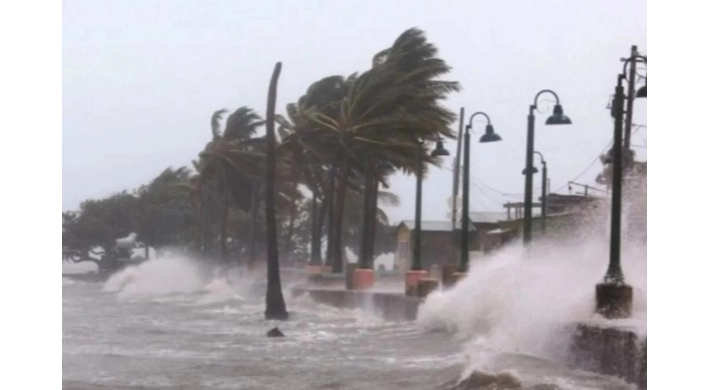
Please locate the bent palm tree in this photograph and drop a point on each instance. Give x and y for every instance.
(275, 304)
(385, 113)
(232, 160)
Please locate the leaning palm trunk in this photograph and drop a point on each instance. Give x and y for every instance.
(201, 239)
(319, 228)
(339, 216)
(252, 224)
(315, 234)
(275, 305)
(365, 258)
(288, 245)
(330, 202)
(371, 214)
(223, 230)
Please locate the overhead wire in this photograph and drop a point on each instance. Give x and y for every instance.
(588, 166)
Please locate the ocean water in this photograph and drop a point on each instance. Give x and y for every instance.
(171, 324)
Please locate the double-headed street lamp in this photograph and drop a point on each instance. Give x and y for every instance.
(613, 296)
(557, 118)
(489, 136)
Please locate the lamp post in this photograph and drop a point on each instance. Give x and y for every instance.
(489, 136)
(544, 192)
(416, 271)
(544, 189)
(557, 118)
(613, 296)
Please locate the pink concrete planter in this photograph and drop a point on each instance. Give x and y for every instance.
(363, 279)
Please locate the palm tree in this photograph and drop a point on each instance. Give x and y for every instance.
(310, 152)
(385, 113)
(275, 304)
(232, 160)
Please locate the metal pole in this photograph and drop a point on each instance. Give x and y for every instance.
(417, 260)
(630, 100)
(614, 273)
(457, 172)
(544, 196)
(463, 262)
(527, 217)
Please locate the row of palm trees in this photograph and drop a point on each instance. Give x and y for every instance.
(344, 136)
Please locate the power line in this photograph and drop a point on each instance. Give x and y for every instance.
(473, 180)
(485, 196)
(588, 166)
(495, 190)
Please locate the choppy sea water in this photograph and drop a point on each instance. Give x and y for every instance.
(124, 334)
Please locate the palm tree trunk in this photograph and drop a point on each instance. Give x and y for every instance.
(201, 232)
(252, 223)
(315, 234)
(338, 217)
(330, 196)
(372, 215)
(366, 220)
(275, 304)
(223, 229)
(288, 245)
(319, 228)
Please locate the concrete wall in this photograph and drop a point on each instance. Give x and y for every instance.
(610, 350)
(606, 350)
(392, 307)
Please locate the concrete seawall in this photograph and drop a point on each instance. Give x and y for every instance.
(613, 350)
(390, 306)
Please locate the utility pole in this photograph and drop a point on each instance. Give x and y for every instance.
(630, 100)
(457, 174)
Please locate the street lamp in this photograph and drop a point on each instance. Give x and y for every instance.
(557, 118)
(613, 296)
(489, 136)
(544, 189)
(416, 271)
(437, 152)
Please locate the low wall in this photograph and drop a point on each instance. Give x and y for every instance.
(610, 350)
(339, 279)
(392, 307)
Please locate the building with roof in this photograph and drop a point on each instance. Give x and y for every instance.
(567, 215)
(439, 244)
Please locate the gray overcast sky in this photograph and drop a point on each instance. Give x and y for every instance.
(141, 79)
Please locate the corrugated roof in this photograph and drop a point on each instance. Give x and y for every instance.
(437, 226)
(487, 217)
